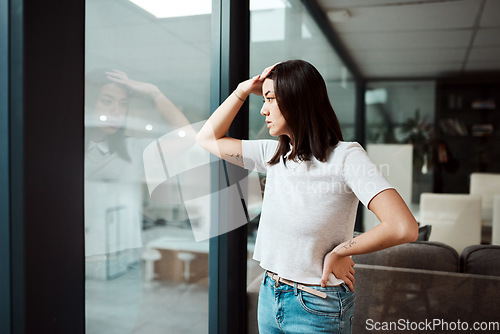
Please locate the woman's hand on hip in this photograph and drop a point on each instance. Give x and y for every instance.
(340, 266)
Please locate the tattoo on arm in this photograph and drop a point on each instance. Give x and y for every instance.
(349, 244)
(235, 156)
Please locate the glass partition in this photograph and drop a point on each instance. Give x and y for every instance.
(282, 30)
(399, 127)
(147, 81)
(402, 112)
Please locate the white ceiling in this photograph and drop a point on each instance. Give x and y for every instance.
(419, 39)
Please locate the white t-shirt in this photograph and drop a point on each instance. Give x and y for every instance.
(309, 207)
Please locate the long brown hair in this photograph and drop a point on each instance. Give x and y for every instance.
(303, 100)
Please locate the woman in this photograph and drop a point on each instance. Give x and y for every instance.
(114, 178)
(314, 181)
(113, 160)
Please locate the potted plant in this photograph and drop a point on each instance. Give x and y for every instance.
(417, 131)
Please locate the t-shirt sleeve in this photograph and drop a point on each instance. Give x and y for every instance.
(362, 175)
(256, 154)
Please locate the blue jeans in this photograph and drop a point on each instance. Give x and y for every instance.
(285, 309)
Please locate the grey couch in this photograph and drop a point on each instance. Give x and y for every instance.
(419, 283)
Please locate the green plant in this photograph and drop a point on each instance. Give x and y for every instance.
(417, 131)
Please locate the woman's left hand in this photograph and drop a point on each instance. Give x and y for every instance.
(340, 266)
(136, 86)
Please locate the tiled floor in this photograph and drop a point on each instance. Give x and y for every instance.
(127, 305)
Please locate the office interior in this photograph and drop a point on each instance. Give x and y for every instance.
(92, 245)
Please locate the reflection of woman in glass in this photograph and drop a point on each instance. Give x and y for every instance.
(112, 158)
(107, 95)
(314, 180)
(114, 177)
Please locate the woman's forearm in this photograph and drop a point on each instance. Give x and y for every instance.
(397, 226)
(381, 236)
(168, 110)
(219, 122)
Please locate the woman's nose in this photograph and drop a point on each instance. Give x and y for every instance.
(264, 111)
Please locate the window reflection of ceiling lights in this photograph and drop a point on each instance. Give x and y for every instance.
(175, 8)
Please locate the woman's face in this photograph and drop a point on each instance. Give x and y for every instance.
(276, 123)
(111, 108)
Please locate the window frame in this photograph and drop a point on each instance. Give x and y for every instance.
(45, 162)
(228, 252)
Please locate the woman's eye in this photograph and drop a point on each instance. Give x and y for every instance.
(106, 102)
(270, 99)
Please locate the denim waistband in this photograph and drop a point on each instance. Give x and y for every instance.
(269, 281)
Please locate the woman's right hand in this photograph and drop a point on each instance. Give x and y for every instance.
(143, 88)
(254, 85)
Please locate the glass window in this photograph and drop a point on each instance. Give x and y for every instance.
(401, 113)
(146, 185)
(282, 30)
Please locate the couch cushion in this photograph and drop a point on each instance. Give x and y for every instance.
(417, 255)
(481, 260)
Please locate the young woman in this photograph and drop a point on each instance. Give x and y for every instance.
(314, 181)
(114, 177)
(114, 161)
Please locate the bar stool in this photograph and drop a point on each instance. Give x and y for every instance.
(186, 257)
(149, 256)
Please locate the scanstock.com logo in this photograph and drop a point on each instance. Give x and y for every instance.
(178, 173)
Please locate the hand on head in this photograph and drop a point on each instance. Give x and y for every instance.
(254, 85)
(121, 78)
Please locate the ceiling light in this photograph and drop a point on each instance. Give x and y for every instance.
(173, 8)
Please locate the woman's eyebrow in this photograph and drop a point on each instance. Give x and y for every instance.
(269, 91)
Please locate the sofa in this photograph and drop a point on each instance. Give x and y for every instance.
(422, 283)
